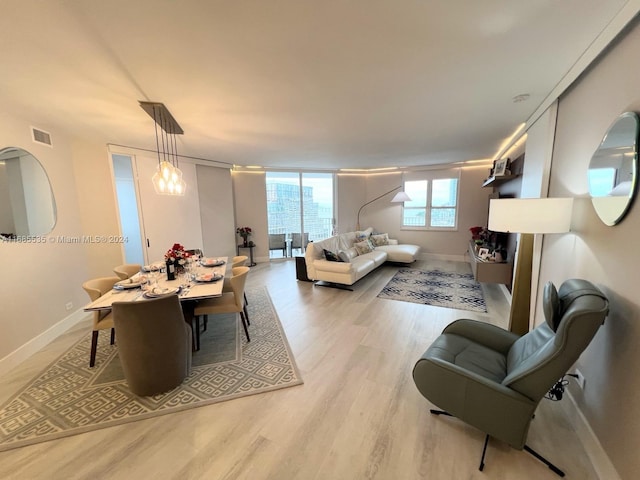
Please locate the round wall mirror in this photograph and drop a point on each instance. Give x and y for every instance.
(613, 170)
(27, 206)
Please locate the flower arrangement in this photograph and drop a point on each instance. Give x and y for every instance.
(177, 254)
(244, 232)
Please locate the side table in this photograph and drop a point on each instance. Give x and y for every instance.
(250, 247)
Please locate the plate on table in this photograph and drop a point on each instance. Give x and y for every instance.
(158, 292)
(211, 262)
(129, 283)
(208, 278)
(154, 267)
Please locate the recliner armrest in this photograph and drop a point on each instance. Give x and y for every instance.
(490, 336)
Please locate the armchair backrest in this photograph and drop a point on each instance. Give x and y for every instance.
(538, 359)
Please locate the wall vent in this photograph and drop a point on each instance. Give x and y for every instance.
(41, 137)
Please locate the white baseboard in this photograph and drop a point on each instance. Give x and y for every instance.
(440, 256)
(599, 458)
(23, 352)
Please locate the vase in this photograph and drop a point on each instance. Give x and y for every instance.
(245, 242)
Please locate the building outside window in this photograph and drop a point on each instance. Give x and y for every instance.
(434, 200)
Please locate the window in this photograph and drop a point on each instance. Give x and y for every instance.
(300, 207)
(434, 201)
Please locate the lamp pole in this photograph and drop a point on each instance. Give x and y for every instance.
(371, 201)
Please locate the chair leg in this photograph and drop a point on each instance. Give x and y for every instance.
(553, 468)
(245, 299)
(246, 314)
(94, 347)
(244, 324)
(113, 336)
(484, 451)
(195, 329)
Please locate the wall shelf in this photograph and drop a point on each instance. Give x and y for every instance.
(498, 180)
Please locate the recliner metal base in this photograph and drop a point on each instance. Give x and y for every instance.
(527, 448)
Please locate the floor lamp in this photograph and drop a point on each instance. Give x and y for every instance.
(528, 217)
(399, 197)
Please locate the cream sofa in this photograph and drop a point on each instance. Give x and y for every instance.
(353, 266)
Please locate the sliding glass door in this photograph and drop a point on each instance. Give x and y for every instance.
(299, 210)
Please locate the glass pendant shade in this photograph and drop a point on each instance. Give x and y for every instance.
(168, 178)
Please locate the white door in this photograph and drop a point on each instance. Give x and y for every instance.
(168, 219)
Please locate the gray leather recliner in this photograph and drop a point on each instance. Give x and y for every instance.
(493, 379)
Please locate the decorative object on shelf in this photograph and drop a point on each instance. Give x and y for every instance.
(613, 170)
(168, 179)
(527, 216)
(245, 233)
(175, 258)
(493, 242)
(399, 197)
(478, 235)
(500, 167)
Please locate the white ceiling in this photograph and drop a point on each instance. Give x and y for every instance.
(295, 83)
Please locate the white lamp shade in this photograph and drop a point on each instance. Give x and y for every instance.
(400, 197)
(530, 215)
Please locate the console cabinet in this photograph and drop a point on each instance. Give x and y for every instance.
(489, 272)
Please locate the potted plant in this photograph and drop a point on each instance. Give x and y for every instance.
(245, 233)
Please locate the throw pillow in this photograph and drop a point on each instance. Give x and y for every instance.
(331, 257)
(348, 255)
(364, 234)
(363, 247)
(380, 239)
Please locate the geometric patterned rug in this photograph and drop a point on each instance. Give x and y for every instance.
(69, 398)
(436, 287)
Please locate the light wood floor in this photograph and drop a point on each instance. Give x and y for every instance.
(357, 416)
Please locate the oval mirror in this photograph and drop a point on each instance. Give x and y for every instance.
(27, 206)
(613, 170)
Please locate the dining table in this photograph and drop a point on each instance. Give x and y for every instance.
(204, 279)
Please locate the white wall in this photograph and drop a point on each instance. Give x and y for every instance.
(215, 193)
(607, 256)
(250, 201)
(473, 211)
(38, 279)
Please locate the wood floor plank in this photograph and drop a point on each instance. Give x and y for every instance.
(357, 415)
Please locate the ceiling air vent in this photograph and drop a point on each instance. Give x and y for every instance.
(40, 136)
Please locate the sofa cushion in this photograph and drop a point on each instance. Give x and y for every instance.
(363, 247)
(400, 253)
(363, 234)
(348, 254)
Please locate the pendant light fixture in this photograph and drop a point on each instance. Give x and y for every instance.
(168, 179)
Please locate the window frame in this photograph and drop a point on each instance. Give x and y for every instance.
(429, 176)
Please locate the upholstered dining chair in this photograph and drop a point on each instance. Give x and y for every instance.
(299, 242)
(237, 261)
(127, 270)
(494, 380)
(102, 319)
(277, 241)
(229, 302)
(154, 344)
